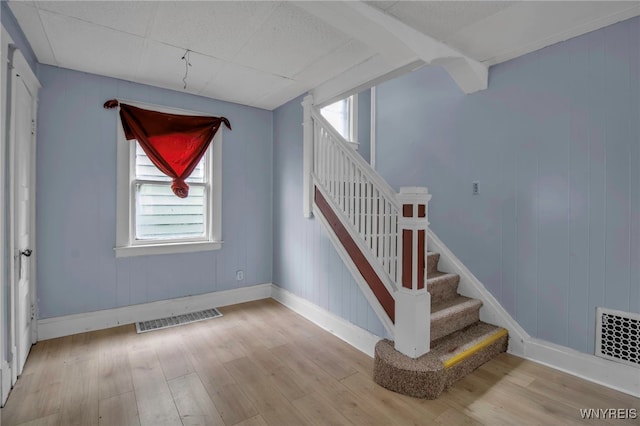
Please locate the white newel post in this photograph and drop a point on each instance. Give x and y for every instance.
(412, 300)
(307, 134)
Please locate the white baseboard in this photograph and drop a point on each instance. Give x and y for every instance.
(355, 336)
(621, 377)
(5, 382)
(50, 328)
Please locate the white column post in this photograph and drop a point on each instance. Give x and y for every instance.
(412, 300)
(307, 181)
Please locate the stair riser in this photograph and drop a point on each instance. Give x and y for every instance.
(442, 289)
(432, 262)
(465, 367)
(452, 323)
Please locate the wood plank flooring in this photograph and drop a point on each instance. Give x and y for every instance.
(262, 364)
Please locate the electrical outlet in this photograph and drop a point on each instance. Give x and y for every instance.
(240, 275)
(476, 187)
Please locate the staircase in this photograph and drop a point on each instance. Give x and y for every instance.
(382, 237)
(460, 342)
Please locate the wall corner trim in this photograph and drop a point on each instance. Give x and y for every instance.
(50, 328)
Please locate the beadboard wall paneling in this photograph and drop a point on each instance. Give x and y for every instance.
(305, 263)
(555, 145)
(76, 198)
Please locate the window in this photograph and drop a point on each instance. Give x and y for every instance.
(150, 218)
(342, 115)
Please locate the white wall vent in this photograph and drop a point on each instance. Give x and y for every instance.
(618, 336)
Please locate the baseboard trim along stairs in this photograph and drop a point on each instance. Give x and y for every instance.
(460, 342)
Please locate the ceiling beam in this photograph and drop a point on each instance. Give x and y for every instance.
(470, 75)
(397, 43)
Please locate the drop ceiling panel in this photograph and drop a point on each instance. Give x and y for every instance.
(128, 16)
(533, 25)
(440, 19)
(79, 45)
(242, 84)
(29, 19)
(300, 39)
(336, 62)
(382, 5)
(282, 95)
(219, 29)
(162, 65)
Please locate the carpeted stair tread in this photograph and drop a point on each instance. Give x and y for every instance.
(457, 303)
(453, 344)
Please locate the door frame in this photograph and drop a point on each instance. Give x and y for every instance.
(5, 367)
(20, 70)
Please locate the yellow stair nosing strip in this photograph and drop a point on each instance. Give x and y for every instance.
(475, 348)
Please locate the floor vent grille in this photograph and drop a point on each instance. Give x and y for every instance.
(618, 336)
(159, 324)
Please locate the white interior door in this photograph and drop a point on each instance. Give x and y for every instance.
(22, 173)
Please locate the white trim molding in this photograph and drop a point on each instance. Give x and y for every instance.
(5, 382)
(357, 337)
(50, 328)
(621, 377)
(5, 368)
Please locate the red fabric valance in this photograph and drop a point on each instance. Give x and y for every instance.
(174, 143)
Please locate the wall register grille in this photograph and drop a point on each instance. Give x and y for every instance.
(618, 336)
(159, 324)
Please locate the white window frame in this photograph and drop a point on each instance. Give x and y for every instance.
(126, 242)
(352, 137)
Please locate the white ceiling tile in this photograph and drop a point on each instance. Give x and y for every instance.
(336, 62)
(29, 19)
(382, 5)
(244, 84)
(534, 25)
(129, 16)
(282, 95)
(162, 65)
(219, 29)
(300, 39)
(92, 48)
(442, 18)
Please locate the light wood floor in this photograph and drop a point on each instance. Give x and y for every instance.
(262, 364)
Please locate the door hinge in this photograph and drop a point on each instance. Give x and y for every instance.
(33, 312)
(33, 127)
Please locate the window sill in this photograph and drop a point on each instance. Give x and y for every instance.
(167, 248)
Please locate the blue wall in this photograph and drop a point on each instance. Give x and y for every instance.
(305, 262)
(555, 145)
(76, 198)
